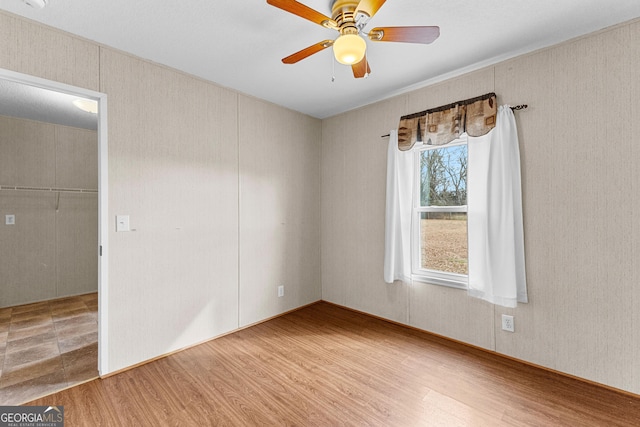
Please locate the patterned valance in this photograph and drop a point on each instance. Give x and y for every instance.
(439, 126)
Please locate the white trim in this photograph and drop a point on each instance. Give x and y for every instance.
(103, 238)
(103, 212)
(459, 208)
(433, 277)
(419, 274)
(50, 84)
(461, 140)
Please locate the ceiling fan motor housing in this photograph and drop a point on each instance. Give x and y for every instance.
(343, 12)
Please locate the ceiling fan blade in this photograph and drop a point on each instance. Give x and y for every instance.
(370, 7)
(305, 12)
(424, 35)
(361, 69)
(298, 56)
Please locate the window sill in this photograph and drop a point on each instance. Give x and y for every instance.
(450, 282)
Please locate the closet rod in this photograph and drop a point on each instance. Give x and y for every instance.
(48, 189)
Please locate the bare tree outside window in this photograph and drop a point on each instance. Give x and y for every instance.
(443, 174)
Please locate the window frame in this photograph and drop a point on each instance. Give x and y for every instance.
(419, 274)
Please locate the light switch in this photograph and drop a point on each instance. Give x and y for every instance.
(122, 223)
(10, 219)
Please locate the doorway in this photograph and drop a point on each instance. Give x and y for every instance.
(69, 305)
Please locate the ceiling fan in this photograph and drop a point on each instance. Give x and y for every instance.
(349, 17)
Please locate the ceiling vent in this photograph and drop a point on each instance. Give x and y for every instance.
(38, 4)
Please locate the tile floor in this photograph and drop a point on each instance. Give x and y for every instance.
(47, 346)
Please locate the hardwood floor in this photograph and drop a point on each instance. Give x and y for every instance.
(47, 346)
(327, 366)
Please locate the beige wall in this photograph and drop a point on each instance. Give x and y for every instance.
(279, 210)
(48, 253)
(579, 150)
(220, 187)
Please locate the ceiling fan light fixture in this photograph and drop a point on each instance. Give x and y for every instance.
(349, 49)
(88, 105)
(36, 3)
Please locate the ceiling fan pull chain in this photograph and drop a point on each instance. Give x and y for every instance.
(366, 72)
(333, 69)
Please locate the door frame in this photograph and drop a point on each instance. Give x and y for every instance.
(103, 212)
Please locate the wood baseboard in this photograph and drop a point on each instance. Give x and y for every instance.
(443, 337)
(492, 352)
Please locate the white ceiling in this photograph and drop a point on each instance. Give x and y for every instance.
(239, 43)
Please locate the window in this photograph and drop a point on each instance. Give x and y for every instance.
(440, 250)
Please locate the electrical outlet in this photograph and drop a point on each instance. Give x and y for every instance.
(280, 291)
(10, 220)
(507, 323)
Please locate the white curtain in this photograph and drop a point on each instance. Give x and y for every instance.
(397, 243)
(494, 201)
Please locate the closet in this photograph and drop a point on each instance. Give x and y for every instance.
(48, 211)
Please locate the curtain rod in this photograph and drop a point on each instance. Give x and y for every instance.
(516, 108)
